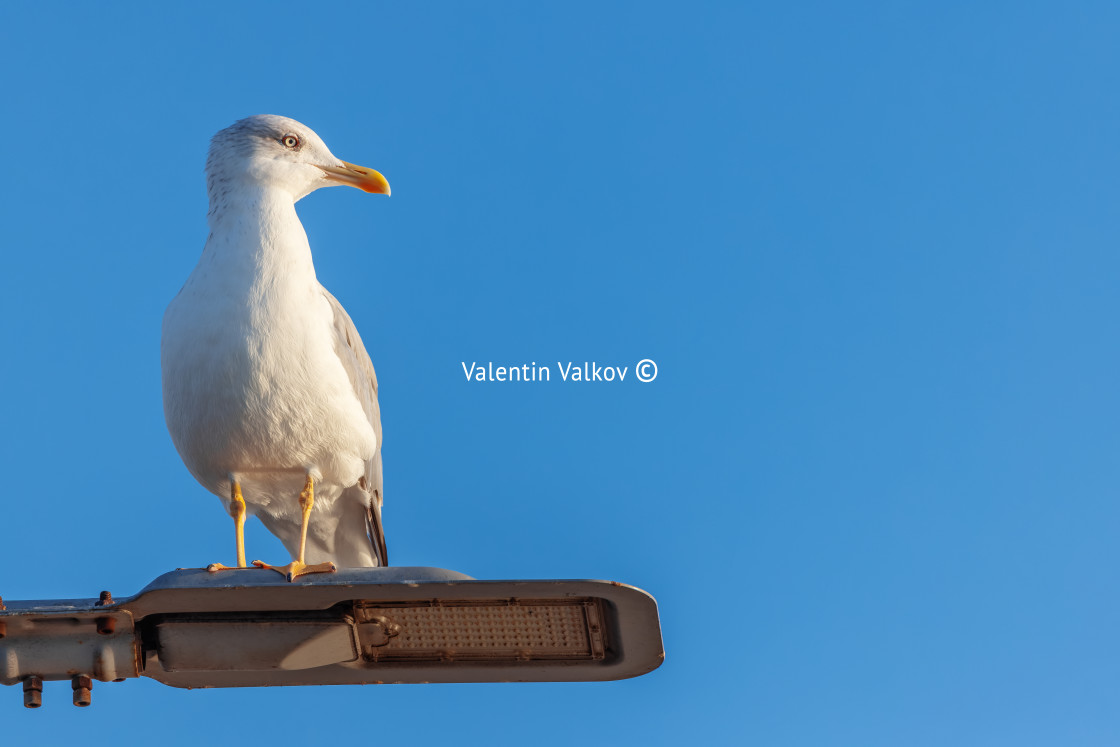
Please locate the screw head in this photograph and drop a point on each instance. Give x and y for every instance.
(32, 692)
(82, 685)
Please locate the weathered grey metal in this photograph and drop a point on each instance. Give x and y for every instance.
(56, 640)
(245, 628)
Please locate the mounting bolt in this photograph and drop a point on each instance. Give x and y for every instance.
(82, 685)
(2, 607)
(32, 692)
(105, 600)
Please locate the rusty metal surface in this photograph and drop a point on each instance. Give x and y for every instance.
(59, 640)
(244, 628)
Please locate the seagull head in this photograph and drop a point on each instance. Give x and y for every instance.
(267, 151)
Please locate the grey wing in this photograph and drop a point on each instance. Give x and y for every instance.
(352, 353)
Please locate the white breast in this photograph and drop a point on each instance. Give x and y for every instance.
(252, 383)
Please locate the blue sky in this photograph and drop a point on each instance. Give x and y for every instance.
(871, 246)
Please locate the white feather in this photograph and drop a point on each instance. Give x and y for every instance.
(260, 383)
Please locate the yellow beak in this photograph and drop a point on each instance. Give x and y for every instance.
(364, 179)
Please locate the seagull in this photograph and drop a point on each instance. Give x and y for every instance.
(269, 394)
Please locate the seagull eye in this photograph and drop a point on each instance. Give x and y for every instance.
(290, 141)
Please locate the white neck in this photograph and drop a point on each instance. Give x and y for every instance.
(255, 232)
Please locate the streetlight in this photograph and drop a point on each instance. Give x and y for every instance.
(249, 628)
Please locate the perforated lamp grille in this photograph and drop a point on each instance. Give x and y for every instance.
(496, 630)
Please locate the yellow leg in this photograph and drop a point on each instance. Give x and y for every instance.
(237, 511)
(306, 502)
(299, 567)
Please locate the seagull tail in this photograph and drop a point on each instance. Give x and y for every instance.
(375, 530)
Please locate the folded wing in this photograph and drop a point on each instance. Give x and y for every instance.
(359, 367)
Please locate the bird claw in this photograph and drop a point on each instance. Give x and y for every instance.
(215, 567)
(297, 568)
